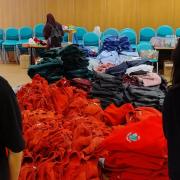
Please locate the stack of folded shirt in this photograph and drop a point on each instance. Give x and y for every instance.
(108, 89)
(70, 62)
(145, 96)
(118, 44)
(138, 150)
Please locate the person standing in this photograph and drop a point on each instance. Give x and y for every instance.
(11, 140)
(53, 32)
(171, 118)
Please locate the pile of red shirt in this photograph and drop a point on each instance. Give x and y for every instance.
(62, 129)
(67, 134)
(137, 150)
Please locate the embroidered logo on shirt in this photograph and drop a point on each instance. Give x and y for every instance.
(132, 137)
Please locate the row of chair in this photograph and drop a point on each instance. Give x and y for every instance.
(145, 34)
(12, 38)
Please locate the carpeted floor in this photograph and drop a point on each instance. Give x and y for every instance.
(14, 74)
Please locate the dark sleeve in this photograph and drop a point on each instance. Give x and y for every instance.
(60, 28)
(10, 119)
(47, 31)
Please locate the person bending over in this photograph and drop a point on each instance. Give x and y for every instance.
(11, 140)
(53, 32)
(171, 118)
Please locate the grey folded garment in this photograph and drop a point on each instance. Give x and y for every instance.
(107, 78)
(145, 96)
(148, 92)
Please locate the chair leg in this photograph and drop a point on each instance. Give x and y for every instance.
(6, 58)
(15, 55)
(4, 55)
(157, 67)
(1, 52)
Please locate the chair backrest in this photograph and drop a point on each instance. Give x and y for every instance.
(38, 30)
(65, 37)
(164, 30)
(144, 47)
(25, 32)
(80, 32)
(131, 34)
(1, 34)
(110, 31)
(146, 34)
(12, 34)
(91, 39)
(178, 32)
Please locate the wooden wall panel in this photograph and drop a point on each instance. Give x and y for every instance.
(121, 14)
(89, 13)
(176, 13)
(22, 12)
(155, 13)
(65, 11)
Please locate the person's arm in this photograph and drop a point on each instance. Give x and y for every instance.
(14, 164)
(60, 28)
(11, 128)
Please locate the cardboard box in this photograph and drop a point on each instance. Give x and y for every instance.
(168, 67)
(24, 61)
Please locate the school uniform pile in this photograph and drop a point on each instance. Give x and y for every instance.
(68, 135)
(115, 43)
(146, 89)
(108, 89)
(69, 62)
(138, 149)
(62, 129)
(114, 50)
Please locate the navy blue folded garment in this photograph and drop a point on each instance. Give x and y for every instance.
(121, 69)
(87, 51)
(114, 43)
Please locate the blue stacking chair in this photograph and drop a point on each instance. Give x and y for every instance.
(178, 32)
(146, 34)
(80, 32)
(91, 40)
(25, 33)
(11, 39)
(38, 31)
(65, 38)
(164, 31)
(1, 37)
(110, 31)
(1, 41)
(132, 36)
(144, 46)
